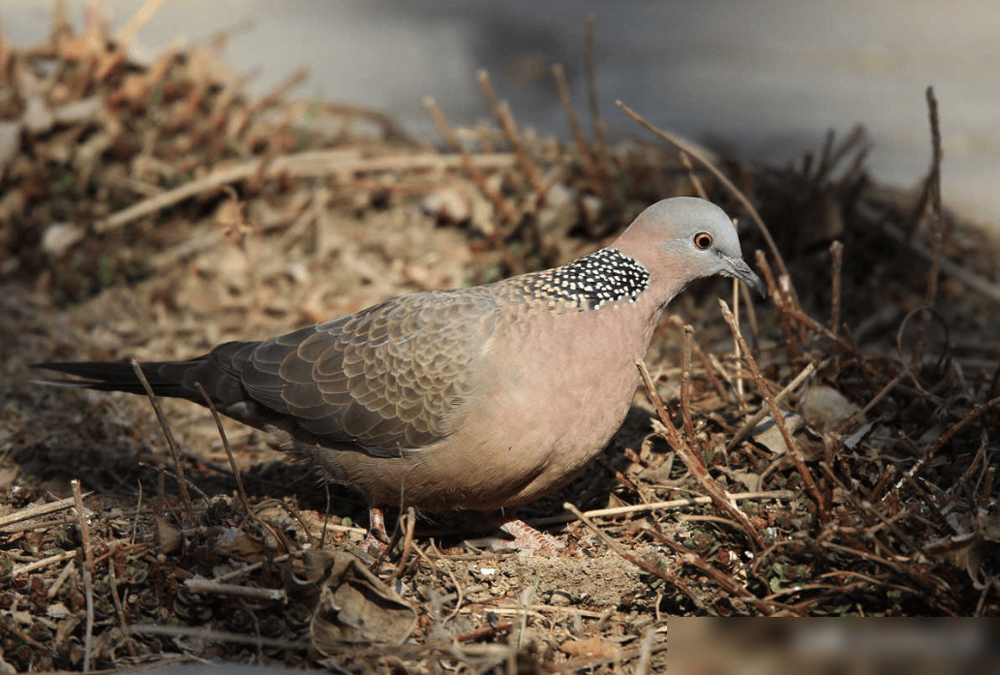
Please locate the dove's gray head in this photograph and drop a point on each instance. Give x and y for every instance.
(685, 238)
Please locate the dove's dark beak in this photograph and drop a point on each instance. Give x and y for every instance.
(740, 270)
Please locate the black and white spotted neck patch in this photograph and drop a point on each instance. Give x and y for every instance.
(602, 277)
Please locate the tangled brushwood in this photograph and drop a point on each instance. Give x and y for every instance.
(835, 457)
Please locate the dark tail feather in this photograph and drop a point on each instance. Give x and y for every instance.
(165, 377)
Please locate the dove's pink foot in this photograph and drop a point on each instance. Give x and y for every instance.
(527, 538)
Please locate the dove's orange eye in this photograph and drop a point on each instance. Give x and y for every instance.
(703, 240)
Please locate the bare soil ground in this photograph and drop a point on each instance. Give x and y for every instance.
(154, 210)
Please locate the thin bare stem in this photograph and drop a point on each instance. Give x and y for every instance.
(215, 587)
(43, 563)
(751, 313)
(937, 229)
(779, 419)
(686, 381)
(787, 332)
(175, 452)
(506, 118)
(890, 385)
(661, 506)
(939, 443)
(503, 115)
(749, 425)
(586, 160)
(38, 511)
(145, 13)
(119, 609)
(723, 580)
(699, 189)
(694, 463)
(88, 571)
(899, 349)
(737, 345)
(203, 633)
(617, 548)
(836, 264)
(311, 164)
(478, 177)
(225, 444)
(954, 270)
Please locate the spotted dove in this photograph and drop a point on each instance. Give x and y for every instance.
(473, 398)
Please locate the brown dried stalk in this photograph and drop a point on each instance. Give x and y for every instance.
(967, 476)
(229, 451)
(933, 187)
(987, 494)
(882, 481)
(846, 344)
(88, 570)
(119, 609)
(787, 332)
(699, 189)
(706, 363)
(867, 509)
(617, 548)
(45, 562)
(751, 312)
(37, 511)
(586, 160)
(171, 443)
(836, 264)
(723, 580)
(751, 423)
(899, 349)
(661, 506)
(224, 636)
(215, 587)
(831, 157)
(601, 146)
(939, 443)
(779, 419)
(503, 115)
(955, 270)
(842, 429)
(311, 164)
(164, 473)
(695, 465)
(478, 177)
(145, 13)
(686, 382)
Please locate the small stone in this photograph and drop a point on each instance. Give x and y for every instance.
(560, 599)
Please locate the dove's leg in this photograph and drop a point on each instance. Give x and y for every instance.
(377, 536)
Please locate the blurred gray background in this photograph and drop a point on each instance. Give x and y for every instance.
(766, 77)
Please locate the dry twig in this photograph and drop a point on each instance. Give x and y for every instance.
(229, 451)
(171, 443)
(617, 548)
(694, 464)
(779, 419)
(88, 571)
(478, 177)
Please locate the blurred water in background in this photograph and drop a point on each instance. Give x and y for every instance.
(767, 78)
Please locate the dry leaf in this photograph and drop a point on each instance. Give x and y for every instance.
(355, 606)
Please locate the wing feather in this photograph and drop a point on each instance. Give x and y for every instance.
(394, 376)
